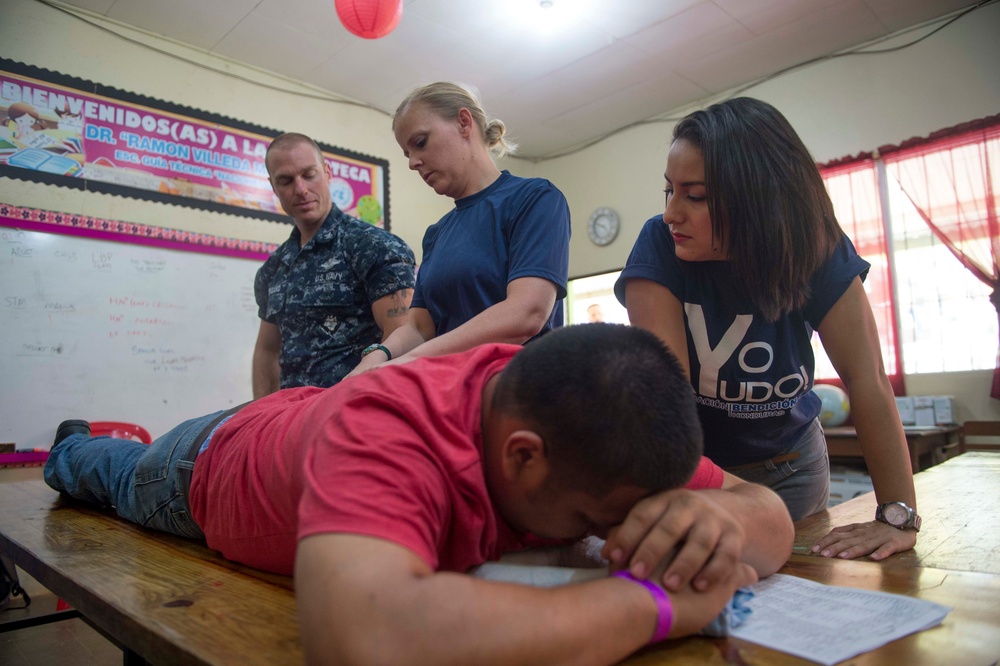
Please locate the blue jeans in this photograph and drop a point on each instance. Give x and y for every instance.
(142, 483)
(803, 483)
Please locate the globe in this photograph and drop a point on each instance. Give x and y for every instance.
(835, 406)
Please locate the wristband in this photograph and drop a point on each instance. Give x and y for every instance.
(665, 611)
(375, 347)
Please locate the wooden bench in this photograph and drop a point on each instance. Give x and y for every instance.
(163, 599)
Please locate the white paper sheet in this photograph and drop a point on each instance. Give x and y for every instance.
(829, 624)
(821, 623)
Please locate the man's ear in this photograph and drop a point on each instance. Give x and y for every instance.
(524, 458)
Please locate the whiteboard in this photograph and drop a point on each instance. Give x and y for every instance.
(111, 331)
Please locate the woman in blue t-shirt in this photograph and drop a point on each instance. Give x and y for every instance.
(494, 269)
(745, 262)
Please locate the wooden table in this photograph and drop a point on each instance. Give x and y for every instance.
(173, 600)
(184, 604)
(958, 501)
(956, 563)
(842, 442)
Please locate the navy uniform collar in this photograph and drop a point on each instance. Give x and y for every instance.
(325, 234)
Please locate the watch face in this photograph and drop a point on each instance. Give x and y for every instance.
(895, 514)
(603, 226)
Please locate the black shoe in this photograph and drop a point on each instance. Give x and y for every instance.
(67, 428)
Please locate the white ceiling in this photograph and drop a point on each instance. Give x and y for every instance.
(604, 64)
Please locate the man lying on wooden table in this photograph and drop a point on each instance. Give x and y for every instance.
(378, 491)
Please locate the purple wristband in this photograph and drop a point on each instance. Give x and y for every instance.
(665, 612)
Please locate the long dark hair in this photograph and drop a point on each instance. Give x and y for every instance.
(766, 198)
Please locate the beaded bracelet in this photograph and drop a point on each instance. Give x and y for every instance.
(665, 611)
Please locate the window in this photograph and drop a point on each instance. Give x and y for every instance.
(854, 191)
(593, 299)
(940, 208)
(947, 323)
(944, 197)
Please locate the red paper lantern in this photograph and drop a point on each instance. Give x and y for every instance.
(370, 19)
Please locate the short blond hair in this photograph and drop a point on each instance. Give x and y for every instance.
(447, 99)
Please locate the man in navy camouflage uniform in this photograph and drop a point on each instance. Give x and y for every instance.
(335, 287)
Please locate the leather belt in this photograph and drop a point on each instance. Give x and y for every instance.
(186, 470)
(784, 457)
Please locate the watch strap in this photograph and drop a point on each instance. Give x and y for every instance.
(913, 520)
(376, 347)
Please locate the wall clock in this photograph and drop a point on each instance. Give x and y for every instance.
(603, 226)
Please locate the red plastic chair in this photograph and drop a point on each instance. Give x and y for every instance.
(120, 430)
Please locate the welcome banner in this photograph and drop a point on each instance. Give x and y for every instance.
(74, 133)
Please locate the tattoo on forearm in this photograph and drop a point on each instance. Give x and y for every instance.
(399, 304)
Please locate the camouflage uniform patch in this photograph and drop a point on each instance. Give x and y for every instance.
(320, 296)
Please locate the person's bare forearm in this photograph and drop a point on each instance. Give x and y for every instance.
(514, 320)
(266, 374)
(399, 342)
(768, 527)
(455, 619)
(404, 339)
(495, 324)
(882, 440)
(367, 600)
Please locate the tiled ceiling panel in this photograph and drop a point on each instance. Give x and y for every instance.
(559, 77)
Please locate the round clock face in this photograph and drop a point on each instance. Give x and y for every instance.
(603, 226)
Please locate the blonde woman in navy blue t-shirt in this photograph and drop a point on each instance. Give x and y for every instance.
(745, 263)
(495, 268)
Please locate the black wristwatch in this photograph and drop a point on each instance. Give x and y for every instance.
(898, 515)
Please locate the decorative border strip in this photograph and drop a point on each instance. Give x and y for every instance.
(72, 224)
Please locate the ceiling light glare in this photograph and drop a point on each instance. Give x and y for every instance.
(543, 17)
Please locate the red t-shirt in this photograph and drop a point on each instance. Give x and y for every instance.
(393, 454)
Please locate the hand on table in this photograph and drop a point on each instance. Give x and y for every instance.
(859, 539)
(707, 540)
(695, 609)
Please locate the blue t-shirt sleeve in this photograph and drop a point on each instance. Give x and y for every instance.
(832, 280)
(539, 239)
(652, 258)
(427, 250)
